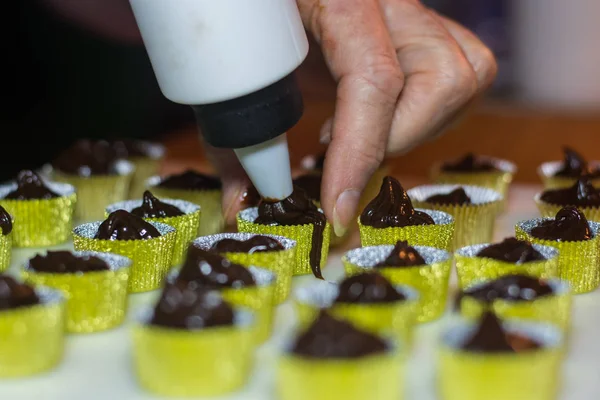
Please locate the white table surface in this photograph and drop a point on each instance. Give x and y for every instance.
(98, 366)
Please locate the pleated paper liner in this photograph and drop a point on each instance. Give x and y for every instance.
(554, 309)
(187, 363)
(302, 234)
(472, 269)
(41, 222)
(151, 258)
(548, 210)
(430, 280)
(96, 300)
(473, 223)
(209, 201)
(578, 262)
(186, 226)
(96, 192)
(398, 317)
(6, 243)
(529, 375)
(548, 170)
(145, 168)
(439, 235)
(32, 337)
(280, 262)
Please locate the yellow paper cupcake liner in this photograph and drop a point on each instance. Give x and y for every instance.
(208, 362)
(302, 234)
(578, 262)
(32, 338)
(550, 210)
(151, 259)
(96, 300)
(5, 251)
(145, 167)
(547, 170)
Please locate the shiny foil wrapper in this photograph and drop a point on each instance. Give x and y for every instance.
(151, 258)
(185, 363)
(398, 317)
(96, 192)
(32, 338)
(96, 300)
(472, 269)
(473, 223)
(281, 262)
(186, 226)
(39, 222)
(530, 375)
(430, 280)
(548, 210)
(554, 309)
(547, 170)
(578, 262)
(6, 243)
(439, 235)
(145, 168)
(302, 234)
(212, 220)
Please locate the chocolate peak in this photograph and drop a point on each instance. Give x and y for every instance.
(366, 288)
(582, 194)
(14, 294)
(256, 244)
(30, 186)
(5, 221)
(402, 255)
(512, 250)
(311, 184)
(570, 225)
(490, 337)
(456, 197)
(135, 148)
(512, 288)
(575, 165)
(191, 180)
(392, 208)
(65, 262)
(154, 208)
(122, 225)
(89, 157)
(469, 163)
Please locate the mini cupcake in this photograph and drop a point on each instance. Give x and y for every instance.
(42, 211)
(511, 256)
(192, 344)
(196, 188)
(424, 268)
(576, 240)
(297, 218)
(149, 245)
(334, 360)
(391, 217)
(367, 300)
(563, 174)
(6, 227)
(99, 175)
(273, 253)
(582, 195)
(497, 360)
(95, 286)
(474, 209)
(145, 157)
(519, 296)
(31, 328)
(181, 215)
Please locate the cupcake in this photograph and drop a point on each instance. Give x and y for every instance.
(196, 188)
(391, 217)
(367, 300)
(511, 256)
(31, 328)
(145, 157)
(474, 209)
(99, 175)
(424, 268)
(6, 227)
(181, 215)
(42, 211)
(582, 195)
(497, 360)
(563, 174)
(297, 218)
(334, 360)
(149, 245)
(274, 253)
(95, 286)
(192, 344)
(576, 240)
(519, 296)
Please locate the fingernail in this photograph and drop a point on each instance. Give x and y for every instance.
(325, 136)
(344, 210)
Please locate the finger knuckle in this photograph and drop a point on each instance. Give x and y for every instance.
(368, 154)
(487, 66)
(459, 81)
(387, 80)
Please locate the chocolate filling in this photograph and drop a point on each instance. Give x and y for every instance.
(367, 288)
(5, 221)
(402, 255)
(575, 166)
(87, 158)
(311, 184)
(256, 244)
(456, 197)
(154, 208)
(510, 287)
(469, 163)
(14, 294)
(65, 262)
(29, 187)
(191, 180)
(513, 251)
(582, 194)
(570, 225)
(122, 225)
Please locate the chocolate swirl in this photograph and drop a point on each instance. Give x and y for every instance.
(575, 166)
(510, 287)
(469, 163)
(368, 288)
(122, 225)
(5, 221)
(402, 255)
(29, 187)
(456, 197)
(256, 244)
(191, 180)
(210, 270)
(570, 225)
(512, 250)
(154, 208)
(65, 262)
(582, 194)
(89, 157)
(490, 337)
(14, 294)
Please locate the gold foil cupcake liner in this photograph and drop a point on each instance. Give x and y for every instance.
(41, 222)
(151, 258)
(430, 280)
(472, 269)
(186, 226)
(32, 338)
(280, 262)
(439, 235)
(473, 223)
(302, 234)
(548, 210)
(529, 375)
(578, 262)
(145, 168)
(547, 172)
(204, 362)
(5, 250)
(96, 300)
